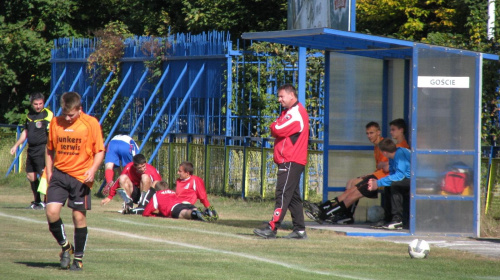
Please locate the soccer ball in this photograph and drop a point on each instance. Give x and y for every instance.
(375, 214)
(418, 249)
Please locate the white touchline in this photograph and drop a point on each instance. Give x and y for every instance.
(183, 229)
(242, 255)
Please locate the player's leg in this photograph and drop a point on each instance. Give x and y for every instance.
(142, 205)
(283, 195)
(80, 201)
(109, 172)
(188, 212)
(145, 185)
(295, 205)
(400, 190)
(57, 195)
(126, 190)
(111, 160)
(353, 182)
(35, 162)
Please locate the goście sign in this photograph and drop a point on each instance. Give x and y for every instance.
(443, 82)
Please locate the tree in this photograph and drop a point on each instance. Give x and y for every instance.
(26, 31)
(456, 23)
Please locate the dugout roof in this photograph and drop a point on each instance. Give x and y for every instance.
(343, 42)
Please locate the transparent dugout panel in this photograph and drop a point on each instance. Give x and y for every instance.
(445, 118)
(345, 165)
(355, 97)
(444, 216)
(431, 170)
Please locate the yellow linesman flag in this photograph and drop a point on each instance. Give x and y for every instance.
(42, 186)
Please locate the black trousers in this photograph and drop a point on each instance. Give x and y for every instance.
(400, 197)
(287, 196)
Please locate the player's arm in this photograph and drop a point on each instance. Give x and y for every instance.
(112, 193)
(21, 140)
(49, 163)
(98, 158)
(293, 125)
(201, 192)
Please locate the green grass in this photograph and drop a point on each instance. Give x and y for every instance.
(133, 247)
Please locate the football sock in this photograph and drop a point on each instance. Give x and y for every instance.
(34, 189)
(334, 208)
(124, 195)
(143, 195)
(147, 197)
(80, 241)
(353, 207)
(57, 230)
(194, 215)
(109, 174)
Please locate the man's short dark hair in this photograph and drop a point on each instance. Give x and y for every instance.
(187, 167)
(139, 159)
(372, 124)
(288, 88)
(36, 96)
(387, 145)
(399, 123)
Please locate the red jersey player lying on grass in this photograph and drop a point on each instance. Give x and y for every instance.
(166, 203)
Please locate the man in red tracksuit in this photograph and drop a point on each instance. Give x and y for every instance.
(291, 133)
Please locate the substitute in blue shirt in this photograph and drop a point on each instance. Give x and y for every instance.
(398, 180)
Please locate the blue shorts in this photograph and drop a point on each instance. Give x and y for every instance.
(120, 153)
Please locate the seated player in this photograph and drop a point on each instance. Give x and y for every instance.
(166, 203)
(191, 187)
(134, 182)
(119, 152)
(398, 181)
(338, 211)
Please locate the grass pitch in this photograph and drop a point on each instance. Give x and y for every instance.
(133, 247)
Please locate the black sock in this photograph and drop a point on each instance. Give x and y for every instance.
(344, 209)
(148, 196)
(34, 189)
(194, 214)
(334, 208)
(80, 242)
(57, 230)
(353, 207)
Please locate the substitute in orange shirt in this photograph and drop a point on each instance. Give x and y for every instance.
(75, 150)
(337, 211)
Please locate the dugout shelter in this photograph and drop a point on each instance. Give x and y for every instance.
(437, 90)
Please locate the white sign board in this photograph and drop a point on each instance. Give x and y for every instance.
(443, 82)
(303, 14)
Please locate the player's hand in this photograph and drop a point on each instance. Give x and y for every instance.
(13, 150)
(105, 201)
(89, 175)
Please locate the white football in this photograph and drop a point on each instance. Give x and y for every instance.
(418, 249)
(375, 214)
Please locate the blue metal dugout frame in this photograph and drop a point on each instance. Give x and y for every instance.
(424, 207)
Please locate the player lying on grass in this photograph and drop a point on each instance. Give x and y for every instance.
(166, 203)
